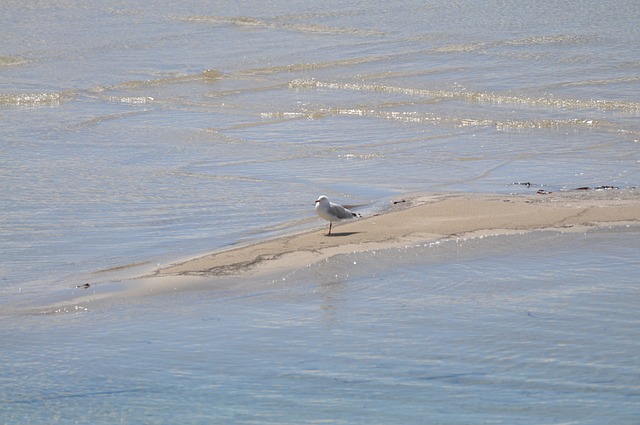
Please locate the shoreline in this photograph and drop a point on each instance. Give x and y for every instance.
(420, 218)
(410, 221)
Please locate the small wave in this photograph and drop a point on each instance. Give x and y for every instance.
(297, 67)
(528, 41)
(284, 115)
(220, 137)
(102, 118)
(262, 23)
(314, 114)
(601, 82)
(433, 119)
(221, 177)
(460, 48)
(559, 103)
(211, 74)
(546, 39)
(33, 99)
(312, 83)
(422, 118)
(318, 15)
(361, 156)
(533, 124)
(11, 61)
(235, 20)
(487, 97)
(206, 75)
(132, 100)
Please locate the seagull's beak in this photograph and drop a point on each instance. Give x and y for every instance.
(317, 200)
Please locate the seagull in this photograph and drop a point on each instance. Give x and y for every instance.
(332, 212)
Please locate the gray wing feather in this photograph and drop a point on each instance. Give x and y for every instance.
(340, 211)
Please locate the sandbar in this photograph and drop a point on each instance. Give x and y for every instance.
(407, 221)
(416, 219)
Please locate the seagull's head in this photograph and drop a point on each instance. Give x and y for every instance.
(322, 199)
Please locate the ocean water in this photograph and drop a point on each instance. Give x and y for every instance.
(137, 133)
(530, 329)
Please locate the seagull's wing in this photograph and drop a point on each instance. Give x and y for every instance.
(340, 212)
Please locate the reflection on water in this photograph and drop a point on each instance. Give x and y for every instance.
(180, 129)
(137, 135)
(453, 335)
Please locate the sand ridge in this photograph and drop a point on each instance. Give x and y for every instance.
(419, 219)
(410, 221)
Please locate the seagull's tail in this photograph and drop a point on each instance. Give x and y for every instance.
(357, 215)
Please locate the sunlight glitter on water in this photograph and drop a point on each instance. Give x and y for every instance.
(135, 135)
(451, 334)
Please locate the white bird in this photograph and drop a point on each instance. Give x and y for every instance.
(332, 212)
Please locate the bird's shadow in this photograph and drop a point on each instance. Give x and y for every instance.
(341, 234)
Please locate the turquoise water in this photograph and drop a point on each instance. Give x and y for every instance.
(143, 132)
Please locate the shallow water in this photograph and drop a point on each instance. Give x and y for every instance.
(142, 132)
(537, 328)
(137, 132)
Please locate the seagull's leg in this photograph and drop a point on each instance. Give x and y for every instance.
(330, 224)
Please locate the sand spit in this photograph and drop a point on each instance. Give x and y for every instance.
(420, 219)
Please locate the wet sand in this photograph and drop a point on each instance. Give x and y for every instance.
(419, 219)
(409, 221)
